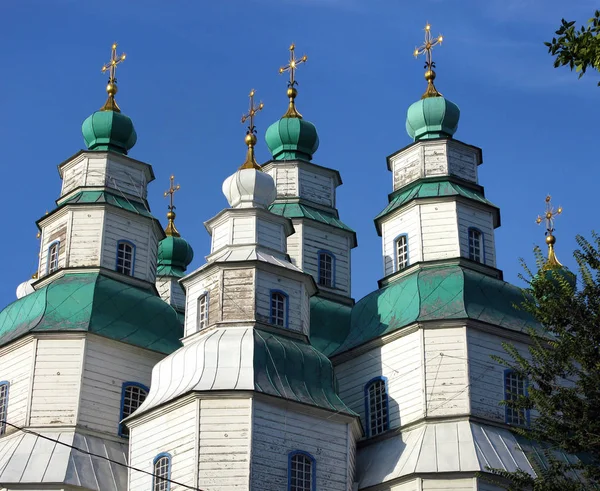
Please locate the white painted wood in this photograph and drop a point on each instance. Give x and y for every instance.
(238, 294)
(481, 219)
(136, 229)
(449, 484)
(276, 432)
(400, 362)
(446, 376)
(298, 320)
(56, 381)
(270, 234)
(412, 485)
(439, 230)
(316, 187)
(107, 365)
(16, 360)
(85, 238)
(315, 239)
(220, 236)
(172, 432)
(405, 221)
(171, 292)
(286, 179)
(294, 244)
(244, 230)
(54, 230)
(197, 286)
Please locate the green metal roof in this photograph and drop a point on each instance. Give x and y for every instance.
(432, 189)
(436, 293)
(298, 210)
(98, 304)
(329, 324)
(85, 197)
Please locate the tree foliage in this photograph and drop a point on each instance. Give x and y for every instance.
(563, 373)
(578, 48)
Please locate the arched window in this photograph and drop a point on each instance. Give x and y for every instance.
(515, 386)
(53, 257)
(401, 246)
(132, 396)
(125, 257)
(475, 245)
(3, 406)
(162, 472)
(279, 308)
(326, 269)
(202, 311)
(377, 407)
(301, 472)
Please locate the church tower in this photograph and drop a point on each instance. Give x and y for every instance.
(77, 348)
(246, 402)
(306, 193)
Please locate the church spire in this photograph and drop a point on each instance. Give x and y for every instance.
(111, 88)
(250, 139)
(292, 92)
(549, 215)
(171, 231)
(426, 48)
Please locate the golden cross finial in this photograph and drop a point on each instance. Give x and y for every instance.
(250, 162)
(426, 49)
(171, 231)
(111, 88)
(548, 217)
(292, 92)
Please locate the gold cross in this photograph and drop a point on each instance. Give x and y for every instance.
(111, 88)
(428, 46)
(252, 112)
(250, 162)
(549, 215)
(292, 65)
(171, 231)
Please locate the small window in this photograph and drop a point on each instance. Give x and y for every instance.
(132, 396)
(514, 387)
(125, 257)
(326, 269)
(401, 252)
(302, 472)
(3, 406)
(162, 472)
(377, 407)
(279, 308)
(475, 245)
(53, 257)
(202, 311)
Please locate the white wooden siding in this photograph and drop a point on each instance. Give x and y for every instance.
(439, 230)
(294, 243)
(446, 375)
(238, 294)
(211, 284)
(400, 361)
(406, 167)
(316, 239)
(435, 159)
(406, 221)
(126, 179)
(286, 179)
(139, 231)
(316, 187)
(271, 235)
(463, 161)
(244, 230)
(171, 292)
(265, 282)
(85, 237)
(470, 216)
(276, 432)
(56, 382)
(174, 433)
(15, 368)
(449, 484)
(220, 236)
(106, 366)
(414, 485)
(57, 230)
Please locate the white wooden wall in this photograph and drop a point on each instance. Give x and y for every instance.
(298, 305)
(406, 221)
(446, 483)
(140, 231)
(55, 230)
(56, 381)
(238, 297)
(176, 433)
(294, 244)
(316, 239)
(270, 234)
(286, 179)
(471, 216)
(16, 362)
(85, 237)
(211, 284)
(220, 236)
(106, 366)
(171, 292)
(439, 230)
(240, 230)
(400, 361)
(276, 432)
(316, 187)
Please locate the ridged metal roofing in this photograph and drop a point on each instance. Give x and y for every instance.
(329, 324)
(95, 303)
(298, 210)
(113, 199)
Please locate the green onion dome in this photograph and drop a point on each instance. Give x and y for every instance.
(291, 137)
(174, 252)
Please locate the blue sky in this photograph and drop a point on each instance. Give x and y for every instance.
(191, 65)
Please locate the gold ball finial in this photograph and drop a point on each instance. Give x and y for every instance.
(112, 89)
(550, 239)
(171, 215)
(250, 139)
(430, 75)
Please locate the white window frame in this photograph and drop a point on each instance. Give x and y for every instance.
(302, 468)
(401, 251)
(326, 269)
(125, 249)
(53, 252)
(377, 406)
(279, 308)
(515, 386)
(133, 395)
(475, 237)
(202, 312)
(4, 387)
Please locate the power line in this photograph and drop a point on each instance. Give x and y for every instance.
(91, 454)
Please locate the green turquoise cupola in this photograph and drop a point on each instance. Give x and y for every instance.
(433, 116)
(174, 252)
(108, 129)
(292, 137)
